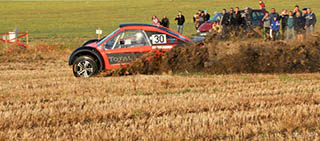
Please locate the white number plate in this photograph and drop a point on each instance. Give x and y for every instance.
(159, 39)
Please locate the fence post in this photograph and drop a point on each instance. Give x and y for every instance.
(6, 41)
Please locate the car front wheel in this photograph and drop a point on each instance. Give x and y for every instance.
(85, 66)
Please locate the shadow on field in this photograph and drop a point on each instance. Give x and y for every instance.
(232, 53)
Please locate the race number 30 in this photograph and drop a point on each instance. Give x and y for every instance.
(159, 39)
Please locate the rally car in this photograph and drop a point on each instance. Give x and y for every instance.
(129, 41)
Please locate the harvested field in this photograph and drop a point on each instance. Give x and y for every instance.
(40, 99)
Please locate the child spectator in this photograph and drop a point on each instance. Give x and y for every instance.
(155, 20)
(266, 24)
(284, 22)
(311, 21)
(290, 27)
(275, 26)
(299, 24)
(165, 22)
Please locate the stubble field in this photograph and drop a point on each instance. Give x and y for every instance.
(40, 99)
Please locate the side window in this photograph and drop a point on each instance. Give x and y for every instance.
(112, 41)
(131, 38)
(254, 16)
(157, 38)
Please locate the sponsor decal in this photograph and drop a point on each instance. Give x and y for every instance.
(123, 58)
(159, 39)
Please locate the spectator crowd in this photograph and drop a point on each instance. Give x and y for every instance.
(289, 25)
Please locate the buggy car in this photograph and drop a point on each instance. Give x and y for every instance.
(129, 41)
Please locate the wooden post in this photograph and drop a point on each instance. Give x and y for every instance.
(99, 34)
(16, 38)
(27, 38)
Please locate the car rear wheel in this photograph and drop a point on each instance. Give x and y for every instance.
(85, 66)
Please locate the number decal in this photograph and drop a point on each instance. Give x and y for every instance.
(159, 39)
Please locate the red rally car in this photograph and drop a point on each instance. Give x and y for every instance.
(129, 41)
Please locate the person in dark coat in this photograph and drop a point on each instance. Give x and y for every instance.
(165, 22)
(299, 24)
(224, 20)
(237, 17)
(232, 20)
(180, 18)
(284, 22)
(206, 16)
(311, 20)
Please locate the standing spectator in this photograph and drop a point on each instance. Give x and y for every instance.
(274, 14)
(304, 12)
(311, 21)
(232, 20)
(296, 10)
(155, 20)
(237, 18)
(299, 24)
(201, 19)
(261, 4)
(224, 20)
(266, 24)
(165, 22)
(196, 20)
(284, 22)
(290, 28)
(275, 26)
(206, 16)
(247, 18)
(180, 18)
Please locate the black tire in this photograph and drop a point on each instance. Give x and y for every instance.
(85, 66)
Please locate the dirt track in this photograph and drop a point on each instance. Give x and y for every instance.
(40, 99)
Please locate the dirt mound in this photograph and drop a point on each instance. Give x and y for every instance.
(231, 54)
(266, 57)
(180, 59)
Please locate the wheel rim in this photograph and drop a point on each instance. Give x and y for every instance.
(85, 68)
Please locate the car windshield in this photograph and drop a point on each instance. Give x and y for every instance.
(104, 39)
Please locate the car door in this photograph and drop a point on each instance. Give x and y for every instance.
(162, 41)
(254, 18)
(126, 46)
